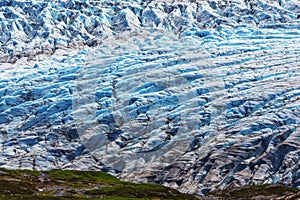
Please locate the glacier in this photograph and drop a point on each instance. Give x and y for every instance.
(194, 95)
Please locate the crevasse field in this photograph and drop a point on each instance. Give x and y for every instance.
(195, 95)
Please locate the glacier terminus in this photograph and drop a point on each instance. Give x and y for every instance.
(197, 95)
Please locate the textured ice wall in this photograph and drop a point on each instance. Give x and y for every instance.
(210, 114)
(29, 28)
(196, 95)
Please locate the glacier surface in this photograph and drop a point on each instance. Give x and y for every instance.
(195, 95)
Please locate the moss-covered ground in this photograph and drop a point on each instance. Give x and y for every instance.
(275, 191)
(77, 185)
(68, 184)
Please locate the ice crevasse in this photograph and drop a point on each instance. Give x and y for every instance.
(195, 95)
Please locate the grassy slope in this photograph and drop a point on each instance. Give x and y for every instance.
(260, 192)
(66, 184)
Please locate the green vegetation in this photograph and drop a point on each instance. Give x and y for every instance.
(252, 192)
(77, 185)
(139, 191)
(82, 176)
